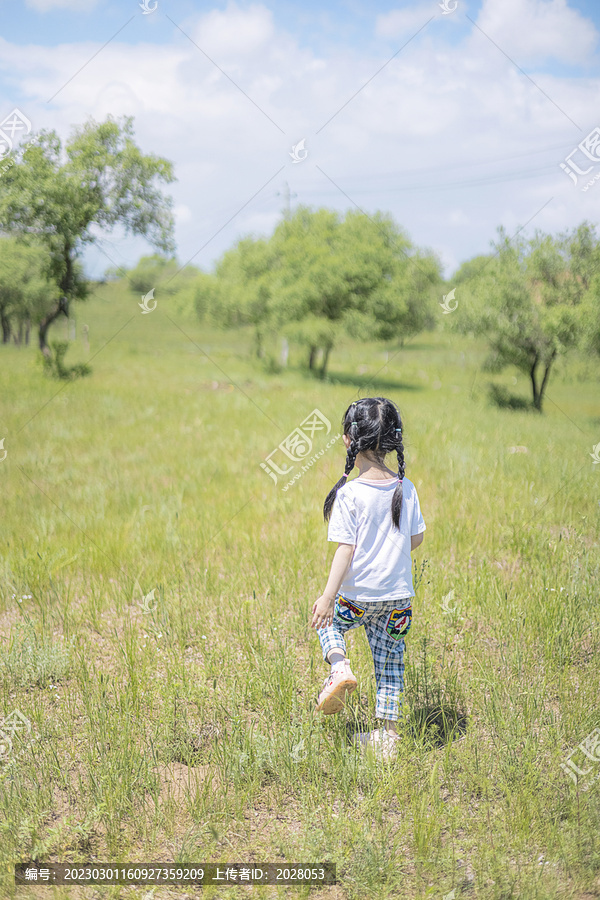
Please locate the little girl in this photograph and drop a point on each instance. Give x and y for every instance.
(377, 521)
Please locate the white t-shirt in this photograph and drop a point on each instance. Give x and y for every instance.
(362, 515)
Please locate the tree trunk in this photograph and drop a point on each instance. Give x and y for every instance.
(312, 357)
(285, 352)
(18, 336)
(6, 329)
(62, 306)
(66, 286)
(545, 378)
(260, 350)
(27, 330)
(326, 352)
(536, 396)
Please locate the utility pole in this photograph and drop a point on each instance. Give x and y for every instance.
(287, 196)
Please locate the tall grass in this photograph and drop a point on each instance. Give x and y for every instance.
(183, 727)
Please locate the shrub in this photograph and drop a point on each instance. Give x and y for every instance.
(34, 659)
(54, 364)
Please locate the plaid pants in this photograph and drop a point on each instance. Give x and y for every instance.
(386, 623)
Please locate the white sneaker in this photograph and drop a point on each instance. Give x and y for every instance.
(384, 744)
(337, 686)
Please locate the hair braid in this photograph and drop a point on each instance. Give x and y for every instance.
(351, 454)
(397, 498)
(400, 456)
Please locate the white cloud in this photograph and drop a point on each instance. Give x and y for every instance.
(458, 217)
(452, 140)
(75, 5)
(182, 213)
(235, 32)
(401, 22)
(538, 30)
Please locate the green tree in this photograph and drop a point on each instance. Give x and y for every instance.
(246, 278)
(155, 270)
(207, 299)
(584, 250)
(24, 289)
(100, 180)
(591, 316)
(359, 275)
(320, 276)
(529, 300)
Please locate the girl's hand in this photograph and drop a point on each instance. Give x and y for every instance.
(323, 611)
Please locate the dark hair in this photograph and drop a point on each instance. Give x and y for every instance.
(373, 424)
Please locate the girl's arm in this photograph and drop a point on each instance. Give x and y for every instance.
(323, 607)
(415, 540)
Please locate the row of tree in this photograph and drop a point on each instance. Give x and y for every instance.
(318, 276)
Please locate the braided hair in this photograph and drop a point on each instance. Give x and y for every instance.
(372, 424)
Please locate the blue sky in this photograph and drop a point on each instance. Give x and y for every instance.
(464, 129)
(315, 24)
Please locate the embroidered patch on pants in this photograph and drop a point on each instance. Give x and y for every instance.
(399, 622)
(347, 611)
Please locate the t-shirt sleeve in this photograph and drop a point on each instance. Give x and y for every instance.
(418, 523)
(343, 522)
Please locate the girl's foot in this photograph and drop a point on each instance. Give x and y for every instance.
(337, 685)
(384, 744)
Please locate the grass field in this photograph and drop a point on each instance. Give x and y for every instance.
(179, 725)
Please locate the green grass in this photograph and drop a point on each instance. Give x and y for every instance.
(185, 730)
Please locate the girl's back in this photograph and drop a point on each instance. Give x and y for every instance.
(362, 515)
